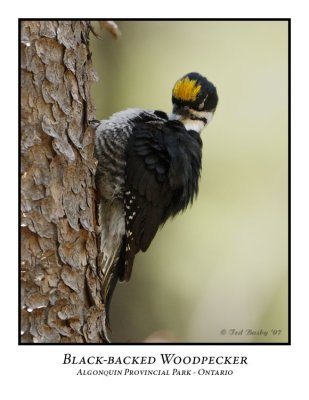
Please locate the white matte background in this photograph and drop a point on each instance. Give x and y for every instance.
(35, 372)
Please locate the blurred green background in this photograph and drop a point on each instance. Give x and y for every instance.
(223, 264)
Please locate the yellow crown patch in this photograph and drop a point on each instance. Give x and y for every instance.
(186, 89)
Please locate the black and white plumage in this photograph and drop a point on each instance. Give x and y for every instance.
(148, 170)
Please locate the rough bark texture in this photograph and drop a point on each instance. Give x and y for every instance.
(60, 288)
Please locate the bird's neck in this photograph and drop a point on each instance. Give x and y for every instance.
(192, 124)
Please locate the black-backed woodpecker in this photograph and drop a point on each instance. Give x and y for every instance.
(149, 164)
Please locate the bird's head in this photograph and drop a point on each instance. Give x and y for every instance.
(194, 101)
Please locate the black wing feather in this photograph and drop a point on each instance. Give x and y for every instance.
(162, 173)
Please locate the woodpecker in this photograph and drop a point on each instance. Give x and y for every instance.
(149, 165)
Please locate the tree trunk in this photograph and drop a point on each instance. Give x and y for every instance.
(60, 287)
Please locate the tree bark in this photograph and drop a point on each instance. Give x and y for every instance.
(60, 287)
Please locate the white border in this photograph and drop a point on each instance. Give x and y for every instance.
(274, 371)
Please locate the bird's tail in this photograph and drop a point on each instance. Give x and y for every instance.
(112, 232)
(108, 286)
(120, 270)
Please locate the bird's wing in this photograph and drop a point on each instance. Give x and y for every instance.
(161, 180)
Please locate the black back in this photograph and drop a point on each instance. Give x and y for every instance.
(162, 173)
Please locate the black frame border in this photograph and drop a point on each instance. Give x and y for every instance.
(288, 343)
